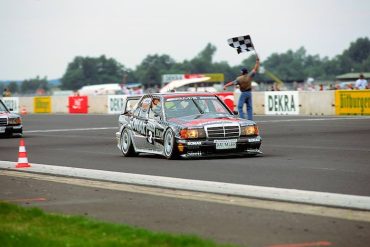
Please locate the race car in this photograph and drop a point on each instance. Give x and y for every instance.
(184, 125)
(10, 123)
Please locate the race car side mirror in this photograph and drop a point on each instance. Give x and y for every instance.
(127, 112)
(157, 116)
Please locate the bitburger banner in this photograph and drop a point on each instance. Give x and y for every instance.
(352, 102)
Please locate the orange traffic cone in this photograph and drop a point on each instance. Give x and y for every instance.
(22, 156)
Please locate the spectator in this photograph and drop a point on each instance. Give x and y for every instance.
(361, 83)
(245, 84)
(7, 93)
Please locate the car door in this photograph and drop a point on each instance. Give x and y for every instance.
(155, 126)
(139, 122)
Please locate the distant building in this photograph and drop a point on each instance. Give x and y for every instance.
(352, 76)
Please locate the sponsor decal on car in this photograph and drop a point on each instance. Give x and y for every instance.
(195, 154)
(194, 143)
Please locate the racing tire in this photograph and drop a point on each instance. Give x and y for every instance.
(169, 147)
(127, 147)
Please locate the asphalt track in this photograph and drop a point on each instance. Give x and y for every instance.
(315, 153)
(326, 154)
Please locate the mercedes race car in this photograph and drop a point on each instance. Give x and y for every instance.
(184, 125)
(10, 123)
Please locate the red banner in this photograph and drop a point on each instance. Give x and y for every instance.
(228, 98)
(78, 104)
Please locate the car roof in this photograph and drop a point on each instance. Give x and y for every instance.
(182, 94)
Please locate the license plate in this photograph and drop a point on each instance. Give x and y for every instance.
(226, 144)
(2, 129)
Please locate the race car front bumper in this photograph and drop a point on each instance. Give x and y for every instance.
(206, 148)
(9, 130)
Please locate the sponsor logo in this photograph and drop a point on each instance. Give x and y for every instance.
(254, 140)
(194, 143)
(199, 153)
(115, 104)
(281, 103)
(353, 102)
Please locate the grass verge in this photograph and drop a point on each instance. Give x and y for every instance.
(21, 226)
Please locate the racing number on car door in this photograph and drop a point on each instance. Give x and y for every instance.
(150, 137)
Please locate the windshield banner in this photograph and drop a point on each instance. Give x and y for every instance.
(228, 99)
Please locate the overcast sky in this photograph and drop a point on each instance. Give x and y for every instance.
(40, 37)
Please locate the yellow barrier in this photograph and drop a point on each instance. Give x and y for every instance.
(352, 102)
(42, 104)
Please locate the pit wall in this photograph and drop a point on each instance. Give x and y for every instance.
(341, 102)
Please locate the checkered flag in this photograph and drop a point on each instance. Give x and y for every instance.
(241, 44)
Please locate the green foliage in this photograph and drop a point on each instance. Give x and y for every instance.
(32, 227)
(288, 66)
(89, 71)
(150, 71)
(13, 87)
(31, 85)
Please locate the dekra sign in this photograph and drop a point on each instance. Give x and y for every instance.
(279, 102)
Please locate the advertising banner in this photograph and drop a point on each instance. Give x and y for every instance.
(166, 78)
(12, 103)
(228, 98)
(352, 102)
(281, 103)
(78, 104)
(42, 104)
(115, 104)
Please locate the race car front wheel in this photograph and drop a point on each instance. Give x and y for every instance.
(170, 151)
(127, 147)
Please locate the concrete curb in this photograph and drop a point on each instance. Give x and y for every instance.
(259, 192)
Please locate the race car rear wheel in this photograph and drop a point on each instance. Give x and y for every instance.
(169, 147)
(127, 147)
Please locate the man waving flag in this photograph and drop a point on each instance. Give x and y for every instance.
(241, 43)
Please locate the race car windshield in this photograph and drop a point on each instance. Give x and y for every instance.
(182, 107)
(2, 107)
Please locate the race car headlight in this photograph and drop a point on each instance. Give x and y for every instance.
(191, 133)
(251, 130)
(15, 120)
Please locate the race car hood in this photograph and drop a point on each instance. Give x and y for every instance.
(205, 119)
(8, 114)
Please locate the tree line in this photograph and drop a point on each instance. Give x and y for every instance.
(288, 66)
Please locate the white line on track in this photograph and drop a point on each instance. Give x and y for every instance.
(260, 192)
(258, 121)
(61, 130)
(312, 119)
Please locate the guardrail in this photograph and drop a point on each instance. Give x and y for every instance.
(341, 102)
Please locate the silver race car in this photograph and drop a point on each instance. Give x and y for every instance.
(184, 125)
(10, 123)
